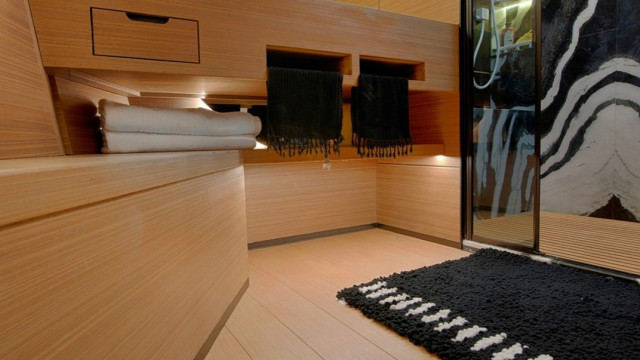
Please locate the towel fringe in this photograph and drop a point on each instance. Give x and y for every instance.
(382, 148)
(296, 146)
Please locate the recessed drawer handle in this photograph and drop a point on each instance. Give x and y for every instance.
(148, 18)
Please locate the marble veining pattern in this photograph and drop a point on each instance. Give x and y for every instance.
(590, 106)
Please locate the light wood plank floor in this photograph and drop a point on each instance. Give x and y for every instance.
(290, 310)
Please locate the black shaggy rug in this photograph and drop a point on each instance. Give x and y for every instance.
(497, 305)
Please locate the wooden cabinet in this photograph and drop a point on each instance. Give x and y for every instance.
(142, 36)
(136, 256)
(234, 38)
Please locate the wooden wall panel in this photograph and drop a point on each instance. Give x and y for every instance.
(233, 37)
(37, 187)
(435, 119)
(145, 276)
(27, 121)
(167, 102)
(440, 10)
(374, 4)
(288, 199)
(77, 112)
(422, 199)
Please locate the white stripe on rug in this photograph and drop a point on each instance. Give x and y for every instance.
(459, 321)
(403, 304)
(376, 286)
(468, 333)
(543, 357)
(382, 292)
(442, 314)
(420, 309)
(508, 353)
(488, 341)
(391, 299)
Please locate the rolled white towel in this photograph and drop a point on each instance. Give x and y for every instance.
(123, 142)
(203, 122)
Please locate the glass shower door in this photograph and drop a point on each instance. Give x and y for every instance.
(502, 123)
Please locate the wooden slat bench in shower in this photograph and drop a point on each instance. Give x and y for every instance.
(607, 243)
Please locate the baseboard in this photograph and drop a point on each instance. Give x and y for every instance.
(206, 347)
(421, 236)
(309, 236)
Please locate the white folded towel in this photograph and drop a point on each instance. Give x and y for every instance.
(203, 122)
(124, 142)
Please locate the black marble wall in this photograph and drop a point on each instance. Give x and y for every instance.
(591, 108)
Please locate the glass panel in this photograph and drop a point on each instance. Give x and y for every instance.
(504, 157)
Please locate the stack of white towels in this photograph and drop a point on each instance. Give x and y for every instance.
(127, 129)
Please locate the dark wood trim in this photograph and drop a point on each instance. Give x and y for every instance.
(537, 39)
(437, 240)
(466, 120)
(206, 347)
(309, 236)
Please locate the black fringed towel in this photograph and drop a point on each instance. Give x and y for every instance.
(380, 116)
(304, 112)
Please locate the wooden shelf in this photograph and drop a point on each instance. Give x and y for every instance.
(346, 153)
(237, 40)
(40, 186)
(308, 59)
(412, 70)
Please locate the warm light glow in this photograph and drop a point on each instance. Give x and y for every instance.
(203, 105)
(441, 159)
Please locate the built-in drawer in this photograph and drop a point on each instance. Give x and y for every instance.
(143, 36)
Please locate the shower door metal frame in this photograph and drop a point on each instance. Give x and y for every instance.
(466, 127)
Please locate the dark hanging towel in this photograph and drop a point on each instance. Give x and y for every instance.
(380, 116)
(304, 111)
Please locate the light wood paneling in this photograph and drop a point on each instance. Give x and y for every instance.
(27, 120)
(77, 112)
(435, 119)
(611, 244)
(438, 160)
(307, 275)
(423, 199)
(346, 152)
(441, 10)
(122, 34)
(167, 102)
(138, 277)
(374, 4)
(234, 36)
(36, 187)
(290, 199)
